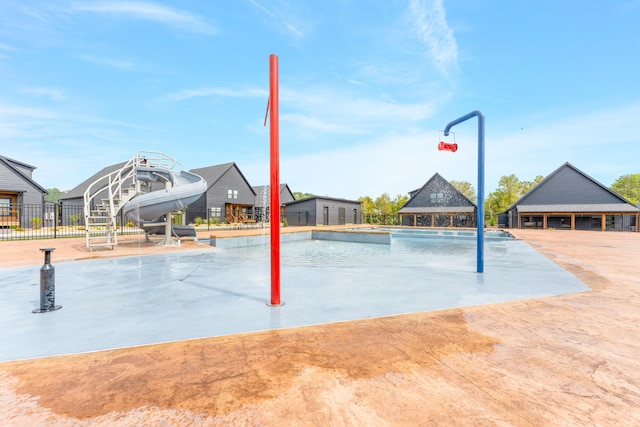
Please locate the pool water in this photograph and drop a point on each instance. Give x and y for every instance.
(439, 232)
(121, 302)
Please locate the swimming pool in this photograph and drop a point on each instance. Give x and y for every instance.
(122, 302)
(438, 232)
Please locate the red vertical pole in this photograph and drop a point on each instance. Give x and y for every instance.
(275, 180)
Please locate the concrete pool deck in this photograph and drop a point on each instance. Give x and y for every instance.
(570, 359)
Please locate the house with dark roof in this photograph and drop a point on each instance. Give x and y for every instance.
(438, 204)
(569, 199)
(72, 202)
(263, 198)
(229, 196)
(17, 189)
(75, 196)
(322, 210)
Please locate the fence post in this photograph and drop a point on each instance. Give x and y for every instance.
(55, 221)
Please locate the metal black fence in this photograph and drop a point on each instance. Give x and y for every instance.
(379, 219)
(48, 221)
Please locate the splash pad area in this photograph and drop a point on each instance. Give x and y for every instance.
(138, 300)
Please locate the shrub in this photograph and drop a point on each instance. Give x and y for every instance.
(75, 219)
(198, 220)
(177, 218)
(36, 223)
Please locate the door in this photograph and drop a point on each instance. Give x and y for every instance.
(341, 216)
(325, 215)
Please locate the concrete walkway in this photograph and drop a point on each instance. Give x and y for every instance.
(566, 360)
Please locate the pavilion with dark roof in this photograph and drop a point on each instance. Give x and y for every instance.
(569, 199)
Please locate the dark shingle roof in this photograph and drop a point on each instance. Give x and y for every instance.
(78, 190)
(322, 198)
(437, 209)
(585, 208)
(212, 174)
(10, 163)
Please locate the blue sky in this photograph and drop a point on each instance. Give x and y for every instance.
(366, 87)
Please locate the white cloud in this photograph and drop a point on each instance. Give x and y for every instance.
(311, 124)
(52, 93)
(312, 110)
(216, 92)
(396, 163)
(278, 20)
(429, 21)
(262, 8)
(351, 110)
(14, 112)
(293, 29)
(6, 47)
(150, 12)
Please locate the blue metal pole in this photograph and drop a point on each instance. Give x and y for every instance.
(480, 214)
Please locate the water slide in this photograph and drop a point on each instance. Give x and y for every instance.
(147, 210)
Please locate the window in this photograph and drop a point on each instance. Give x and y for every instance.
(215, 212)
(5, 207)
(436, 198)
(232, 194)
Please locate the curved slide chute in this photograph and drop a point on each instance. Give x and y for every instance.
(130, 190)
(147, 210)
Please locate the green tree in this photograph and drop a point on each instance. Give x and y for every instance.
(53, 195)
(465, 188)
(492, 207)
(396, 205)
(298, 195)
(528, 185)
(368, 208)
(628, 186)
(509, 190)
(384, 207)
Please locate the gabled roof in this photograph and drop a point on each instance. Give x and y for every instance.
(17, 162)
(436, 179)
(11, 165)
(212, 174)
(258, 189)
(79, 190)
(579, 200)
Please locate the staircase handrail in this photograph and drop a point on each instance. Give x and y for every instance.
(116, 179)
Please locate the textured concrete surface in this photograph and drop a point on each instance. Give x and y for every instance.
(566, 360)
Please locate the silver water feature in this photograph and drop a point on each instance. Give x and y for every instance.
(47, 285)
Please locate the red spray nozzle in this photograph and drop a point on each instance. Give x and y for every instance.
(448, 146)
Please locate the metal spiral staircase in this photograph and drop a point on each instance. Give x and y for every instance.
(106, 196)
